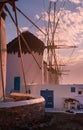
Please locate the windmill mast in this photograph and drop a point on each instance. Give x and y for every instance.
(52, 59)
(51, 52)
(3, 53)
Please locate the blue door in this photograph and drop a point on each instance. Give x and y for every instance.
(17, 83)
(48, 95)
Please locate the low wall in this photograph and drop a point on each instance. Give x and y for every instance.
(22, 114)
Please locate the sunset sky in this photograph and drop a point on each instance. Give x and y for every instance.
(69, 31)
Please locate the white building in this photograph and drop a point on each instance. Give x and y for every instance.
(33, 73)
(60, 96)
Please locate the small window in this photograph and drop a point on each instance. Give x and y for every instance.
(72, 89)
(79, 92)
(19, 54)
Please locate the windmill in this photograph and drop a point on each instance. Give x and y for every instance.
(51, 46)
(4, 7)
(50, 33)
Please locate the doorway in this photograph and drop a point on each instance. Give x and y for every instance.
(49, 98)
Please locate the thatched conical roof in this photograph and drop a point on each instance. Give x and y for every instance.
(33, 42)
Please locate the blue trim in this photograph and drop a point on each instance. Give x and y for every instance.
(17, 83)
(73, 89)
(49, 98)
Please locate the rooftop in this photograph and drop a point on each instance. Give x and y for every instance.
(33, 42)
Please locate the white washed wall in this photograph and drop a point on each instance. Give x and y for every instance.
(32, 72)
(13, 69)
(4, 54)
(60, 93)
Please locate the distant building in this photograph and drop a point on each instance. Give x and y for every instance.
(52, 76)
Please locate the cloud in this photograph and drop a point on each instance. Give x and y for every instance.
(70, 26)
(74, 76)
(73, 25)
(80, 51)
(53, 0)
(37, 16)
(22, 29)
(75, 1)
(69, 32)
(40, 34)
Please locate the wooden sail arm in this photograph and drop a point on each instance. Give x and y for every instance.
(22, 65)
(63, 72)
(58, 65)
(30, 20)
(11, 2)
(59, 47)
(7, 1)
(2, 78)
(4, 1)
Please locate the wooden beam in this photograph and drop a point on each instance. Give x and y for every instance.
(5, 1)
(59, 47)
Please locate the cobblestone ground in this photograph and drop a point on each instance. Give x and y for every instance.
(51, 121)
